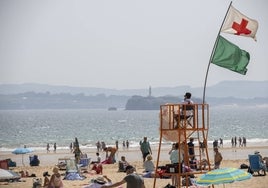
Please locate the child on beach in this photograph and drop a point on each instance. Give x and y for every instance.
(55, 180)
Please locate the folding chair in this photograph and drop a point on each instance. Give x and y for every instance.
(184, 118)
(255, 164)
(84, 163)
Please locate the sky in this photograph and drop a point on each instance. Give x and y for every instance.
(121, 44)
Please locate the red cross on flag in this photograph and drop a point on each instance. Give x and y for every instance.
(238, 24)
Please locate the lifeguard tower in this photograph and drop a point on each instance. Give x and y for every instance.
(179, 123)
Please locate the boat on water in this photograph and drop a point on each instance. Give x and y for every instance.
(112, 108)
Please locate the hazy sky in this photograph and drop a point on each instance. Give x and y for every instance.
(123, 44)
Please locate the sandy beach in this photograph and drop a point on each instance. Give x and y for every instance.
(232, 158)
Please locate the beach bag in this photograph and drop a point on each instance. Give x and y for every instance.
(244, 166)
(172, 168)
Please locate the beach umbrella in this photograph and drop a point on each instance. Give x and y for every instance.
(22, 151)
(222, 176)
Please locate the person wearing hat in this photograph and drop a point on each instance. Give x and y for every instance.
(55, 180)
(99, 182)
(132, 180)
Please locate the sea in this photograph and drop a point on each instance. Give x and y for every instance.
(36, 128)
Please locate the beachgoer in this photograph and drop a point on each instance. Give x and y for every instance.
(55, 180)
(48, 147)
(124, 144)
(122, 164)
(98, 158)
(110, 159)
(145, 148)
(98, 145)
(244, 141)
(34, 161)
(132, 179)
(71, 147)
(97, 168)
(55, 147)
(221, 142)
(46, 179)
(116, 144)
(217, 158)
(215, 143)
(76, 143)
(191, 149)
(148, 165)
(240, 141)
(77, 154)
(188, 111)
(103, 145)
(99, 182)
(127, 144)
(202, 147)
(176, 157)
(261, 162)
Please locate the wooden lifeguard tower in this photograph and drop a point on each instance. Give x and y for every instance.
(179, 123)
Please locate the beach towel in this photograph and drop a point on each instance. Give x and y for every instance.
(74, 176)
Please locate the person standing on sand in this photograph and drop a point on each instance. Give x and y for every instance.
(145, 148)
(77, 154)
(132, 179)
(48, 147)
(55, 147)
(217, 158)
(127, 144)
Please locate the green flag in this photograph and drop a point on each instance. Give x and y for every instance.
(230, 56)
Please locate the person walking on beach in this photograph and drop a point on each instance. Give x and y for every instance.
(48, 147)
(132, 179)
(145, 148)
(71, 147)
(116, 144)
(217, 158)
(98, 145)
(55, 147)
(127, 144)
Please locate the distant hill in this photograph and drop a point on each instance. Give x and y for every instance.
(38, 96)
(238, 89)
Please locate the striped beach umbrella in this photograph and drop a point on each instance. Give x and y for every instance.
(222, 176)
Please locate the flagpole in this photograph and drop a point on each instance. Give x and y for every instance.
(212, 53)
